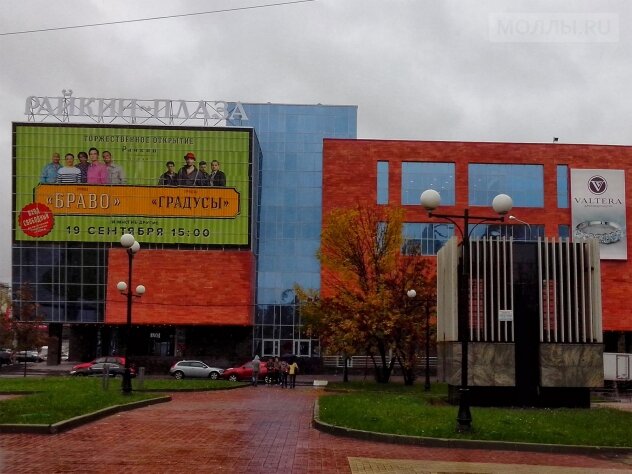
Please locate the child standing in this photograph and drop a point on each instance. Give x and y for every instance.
(293, 370)
(284, 370)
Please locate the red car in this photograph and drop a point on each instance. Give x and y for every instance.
(100, 360)
(113, 370)
(244, 372)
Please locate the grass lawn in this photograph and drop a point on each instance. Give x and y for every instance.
(60, 398)
(172, 385)
(397, 409)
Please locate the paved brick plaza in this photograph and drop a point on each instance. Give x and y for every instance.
(254, 430)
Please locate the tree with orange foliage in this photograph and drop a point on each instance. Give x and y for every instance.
(362, 306)
(416, 274)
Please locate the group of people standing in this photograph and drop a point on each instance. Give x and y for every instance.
(88, 170)
(278, 371)
(190, 175)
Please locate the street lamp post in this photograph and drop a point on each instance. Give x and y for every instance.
(132, 246)
(502, 204)
(514, 218)
(411, 294)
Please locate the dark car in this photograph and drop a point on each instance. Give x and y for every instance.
(100, 368)
(244, 372)
(28, 356)
(6, 357)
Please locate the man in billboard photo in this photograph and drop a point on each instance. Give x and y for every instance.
(169, 177)
(205, 178)
(218, 178)
(69, 173)
(83, 166)
(49, 173)
(188, 174)
(97, 172)
(116, 175)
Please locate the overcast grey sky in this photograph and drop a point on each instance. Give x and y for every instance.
(509, 71)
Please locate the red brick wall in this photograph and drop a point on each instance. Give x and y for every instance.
(183, 287)
(350, 176)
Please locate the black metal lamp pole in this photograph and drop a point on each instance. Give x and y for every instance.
(502, 204)
(411, 294)
(427, 383)
(129, 242)
(464, 417)
(126, 386)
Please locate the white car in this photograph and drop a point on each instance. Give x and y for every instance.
(194, 368)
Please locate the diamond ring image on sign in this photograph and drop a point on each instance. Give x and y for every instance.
(604, 231)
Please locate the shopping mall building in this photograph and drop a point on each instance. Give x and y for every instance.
(220, 262)
(218, 285)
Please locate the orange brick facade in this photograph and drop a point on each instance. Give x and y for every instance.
(350, 177)
(184, 287)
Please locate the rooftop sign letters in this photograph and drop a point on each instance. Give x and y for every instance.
(165, 111)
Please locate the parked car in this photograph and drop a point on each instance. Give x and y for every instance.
(194, 368)
(244, 372)
(99, 368)
(99, 360)
(28, 356)
(6, 357)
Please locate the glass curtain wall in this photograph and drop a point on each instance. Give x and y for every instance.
(67, 280)
(290, 214)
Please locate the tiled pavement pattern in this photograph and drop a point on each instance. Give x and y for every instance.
(404, 466)
(254, 430)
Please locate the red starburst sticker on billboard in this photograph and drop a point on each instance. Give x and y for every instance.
(36, 219)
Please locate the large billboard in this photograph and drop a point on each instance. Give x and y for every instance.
(598, 208)
(168, 185)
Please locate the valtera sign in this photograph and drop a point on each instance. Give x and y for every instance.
(111, 108)
(55, 200)
(598, 208)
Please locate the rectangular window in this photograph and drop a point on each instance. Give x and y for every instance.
(522, 232)
(382, 182)
(564, 230)
(417, 177)
(425, 239)
(380, 234)
(524, 183)
(562, 186)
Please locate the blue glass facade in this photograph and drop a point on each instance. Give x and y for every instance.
(290, 213)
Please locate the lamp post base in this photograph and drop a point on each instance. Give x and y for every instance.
(464, 418)
(126, 386)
